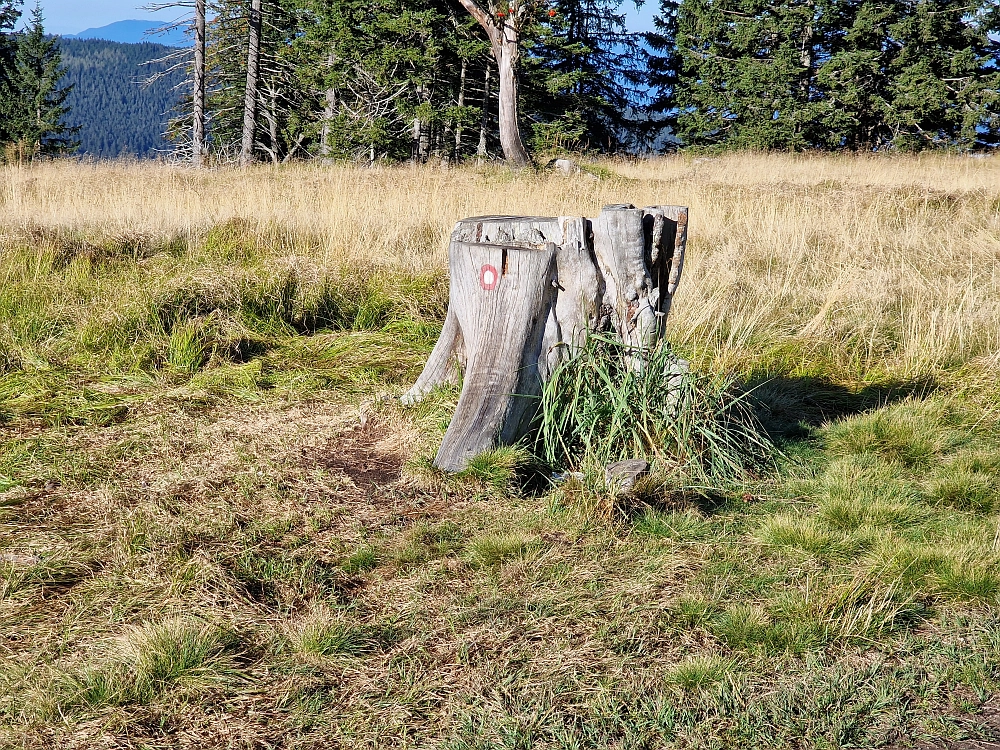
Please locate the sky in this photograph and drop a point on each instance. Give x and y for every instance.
(73, 16)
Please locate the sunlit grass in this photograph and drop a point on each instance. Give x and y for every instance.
(218, 524)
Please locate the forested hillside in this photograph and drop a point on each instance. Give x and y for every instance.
(117, 113)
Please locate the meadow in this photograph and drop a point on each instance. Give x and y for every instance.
(219, 528)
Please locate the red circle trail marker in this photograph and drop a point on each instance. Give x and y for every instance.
(489, 277)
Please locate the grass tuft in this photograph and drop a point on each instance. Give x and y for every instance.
(493, 549)
(598, 407)
(700, 673)
(326, 634)
(155, 657)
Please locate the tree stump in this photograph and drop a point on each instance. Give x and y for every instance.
(525, 292)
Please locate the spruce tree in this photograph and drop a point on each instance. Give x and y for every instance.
(840, 74)
(582, 72)
(10, 13)
(40, 102)
(913, 75)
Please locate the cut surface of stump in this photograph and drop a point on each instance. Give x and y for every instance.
(525, 292)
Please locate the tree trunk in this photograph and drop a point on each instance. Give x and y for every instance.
(415, 137)
(526, 292)
(272, 124)
(329, 110)
(507, 53)
(461, 103)
(425, 131)
(483, 120)
(250, 95)
(198, 95)
(505, 41)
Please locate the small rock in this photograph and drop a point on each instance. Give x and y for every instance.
(560, 477)
(565, 166)
(19, 560)
(622, 475)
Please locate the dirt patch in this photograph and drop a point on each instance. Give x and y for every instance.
(361, 454)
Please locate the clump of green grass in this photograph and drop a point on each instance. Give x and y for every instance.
(328, 634)
(700, 672)
(362, 560)
(859, 491)
(694, 611)
(155, 657)
(969, 582)
(968, 480)
(495, 548)
(868, 607)
(807, 534)
(186, 348)
(426, 542)
(911, 433)
(498, 469)
(599, 406)
(681, 526)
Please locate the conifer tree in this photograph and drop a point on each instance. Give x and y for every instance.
(582, 71)
(39, 101)
(854, 74)
(10, 13)
(913, 75)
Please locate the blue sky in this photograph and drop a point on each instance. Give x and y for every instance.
(73, 16)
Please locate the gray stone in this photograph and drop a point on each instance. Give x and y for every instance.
(565, 166)
(20, 560)
(622, 475)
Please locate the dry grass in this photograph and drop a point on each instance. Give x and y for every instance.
(215, 532)
(887, 266)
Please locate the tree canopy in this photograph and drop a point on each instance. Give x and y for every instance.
(829, 74)
(419, 79)
(32, 99)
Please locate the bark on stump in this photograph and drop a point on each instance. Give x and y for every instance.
(525, 292)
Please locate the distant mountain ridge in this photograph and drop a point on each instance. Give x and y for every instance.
(134, 32)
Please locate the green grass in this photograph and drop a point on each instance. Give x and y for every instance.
(200, 526)
(602, 405)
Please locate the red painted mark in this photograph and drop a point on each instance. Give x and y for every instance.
(489, 277)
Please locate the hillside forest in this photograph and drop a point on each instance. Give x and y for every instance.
(121, 96)
(277, 80)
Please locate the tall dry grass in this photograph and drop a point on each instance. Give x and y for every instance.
(851, 267)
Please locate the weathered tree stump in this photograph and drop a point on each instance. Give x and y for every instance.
(525, 292)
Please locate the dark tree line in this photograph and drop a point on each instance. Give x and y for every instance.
(276, 80)
(119, 112)
(409, 79)
(829, 74)
(399, 79)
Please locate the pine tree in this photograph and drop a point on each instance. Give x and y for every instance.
(40, 102)
(582, 71)
(745, 70)
(10, 13)
(841, 74)
(913, 75)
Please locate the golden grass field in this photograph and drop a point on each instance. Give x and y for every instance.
(824, 250)
(217, 529)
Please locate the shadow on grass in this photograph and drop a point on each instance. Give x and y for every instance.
(791, 408)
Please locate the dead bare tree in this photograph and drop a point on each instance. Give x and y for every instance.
(503, 22)
(198, 95)
(182, 59)
(251, 95)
